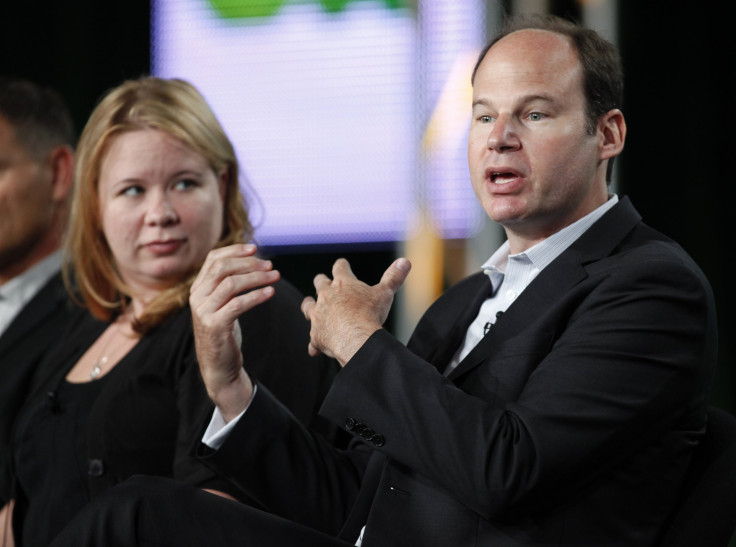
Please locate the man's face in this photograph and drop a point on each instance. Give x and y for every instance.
(26, 204)
(533, 165)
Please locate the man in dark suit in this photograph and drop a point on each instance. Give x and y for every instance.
(36, 172)
(553, 399)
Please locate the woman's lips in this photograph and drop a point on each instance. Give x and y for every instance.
(165, 247)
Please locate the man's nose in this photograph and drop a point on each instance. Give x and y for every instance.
(503, 136)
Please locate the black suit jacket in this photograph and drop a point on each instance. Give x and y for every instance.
(22, 346)
(571, 423)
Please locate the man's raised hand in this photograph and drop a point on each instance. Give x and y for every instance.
(347, 311)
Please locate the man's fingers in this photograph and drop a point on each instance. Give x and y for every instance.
(321, 281)
(393, 278)
(313, 351)
(307, 306)
(342, 268)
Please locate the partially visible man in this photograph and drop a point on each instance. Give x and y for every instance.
(36, 173)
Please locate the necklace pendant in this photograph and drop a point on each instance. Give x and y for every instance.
(97, 369)
(95, 372)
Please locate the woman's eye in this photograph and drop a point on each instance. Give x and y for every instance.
(486, 119)
(184, 184)
(132, 191)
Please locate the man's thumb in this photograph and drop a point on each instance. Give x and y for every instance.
(393, 278)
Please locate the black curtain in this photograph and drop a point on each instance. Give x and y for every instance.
(80, 47)
(678, 62)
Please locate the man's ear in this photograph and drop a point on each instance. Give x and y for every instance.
(61, 160)
(612, 132)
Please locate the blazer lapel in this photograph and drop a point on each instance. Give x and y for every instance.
(540, 294)
(43, 304)
(445, 329)
(566, 271)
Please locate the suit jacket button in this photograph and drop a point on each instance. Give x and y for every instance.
(378, 440)
(349, 424)
(95, 468)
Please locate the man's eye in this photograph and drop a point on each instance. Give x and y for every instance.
(536, 116)
(486, 119)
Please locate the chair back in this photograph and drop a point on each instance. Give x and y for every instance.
(706, 513)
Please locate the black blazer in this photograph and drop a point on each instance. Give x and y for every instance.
(571, 423)
(22, 346)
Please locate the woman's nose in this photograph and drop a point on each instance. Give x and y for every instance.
(161, 211)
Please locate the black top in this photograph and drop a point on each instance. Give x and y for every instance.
(54, 470)
(146, 417)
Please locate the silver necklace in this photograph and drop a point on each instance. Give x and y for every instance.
(97, 369)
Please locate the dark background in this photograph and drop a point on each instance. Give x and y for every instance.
(679, 65)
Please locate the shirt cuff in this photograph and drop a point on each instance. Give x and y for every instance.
(218, 429)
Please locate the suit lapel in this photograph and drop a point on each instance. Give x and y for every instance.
(36, 311)
(443, 326)
(446, 350)
(540, 294)
(555, 281)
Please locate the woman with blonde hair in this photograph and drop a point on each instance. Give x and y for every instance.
(156, 189)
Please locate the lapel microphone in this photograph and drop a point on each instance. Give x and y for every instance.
(488, 325)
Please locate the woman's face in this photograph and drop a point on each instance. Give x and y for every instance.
(161, 206)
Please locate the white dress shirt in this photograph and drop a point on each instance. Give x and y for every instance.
(511, 274)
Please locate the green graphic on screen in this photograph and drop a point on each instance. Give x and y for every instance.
(242, 9)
